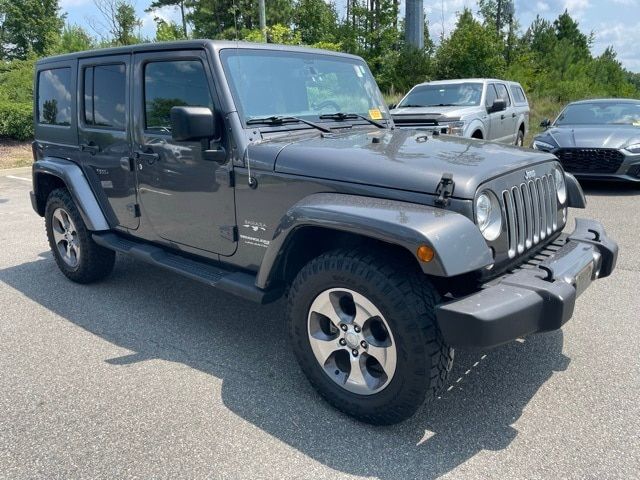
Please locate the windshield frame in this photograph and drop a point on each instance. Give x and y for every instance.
(225, 53)
(444, 84)
(601, 103)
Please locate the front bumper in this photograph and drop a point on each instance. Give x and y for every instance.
(538, 297)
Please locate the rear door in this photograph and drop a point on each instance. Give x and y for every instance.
(186, 198)
(104, 136)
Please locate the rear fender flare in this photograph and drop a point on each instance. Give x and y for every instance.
(457, 242)
(78, 186)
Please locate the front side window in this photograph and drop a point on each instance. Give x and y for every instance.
(444, 95)
(105, 96)
(169, 84)
(272, 83)
(503, 94)
(54, 96)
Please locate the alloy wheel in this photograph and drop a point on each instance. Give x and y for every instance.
(66, 237)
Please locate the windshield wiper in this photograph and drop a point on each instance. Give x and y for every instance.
(281, 120)
(409, 105)
(347, 116)
(442, 105)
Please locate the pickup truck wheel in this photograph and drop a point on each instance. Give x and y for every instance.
(364, 333)
(77, 255)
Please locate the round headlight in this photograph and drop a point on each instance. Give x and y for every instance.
(561, 186)
(488, 215)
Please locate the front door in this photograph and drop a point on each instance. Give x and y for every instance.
(185, 198)
(104, 136)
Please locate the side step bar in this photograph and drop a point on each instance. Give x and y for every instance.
(235, 282)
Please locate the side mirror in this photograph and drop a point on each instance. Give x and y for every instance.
(192, 124)
(498, 105)
(546, 123)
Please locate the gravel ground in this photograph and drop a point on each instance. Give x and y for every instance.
(148, 374)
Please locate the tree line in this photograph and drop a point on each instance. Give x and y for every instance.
(551, 59)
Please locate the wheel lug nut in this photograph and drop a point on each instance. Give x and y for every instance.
(342, 342)
(354, 352)
(343, 327)
(357, 329)
(363, 344)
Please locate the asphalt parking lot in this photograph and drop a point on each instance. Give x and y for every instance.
(148, 374)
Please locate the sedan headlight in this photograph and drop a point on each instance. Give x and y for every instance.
(488, 215)
(455, 128)
(561, 185)
(635, 148)
(540, 145)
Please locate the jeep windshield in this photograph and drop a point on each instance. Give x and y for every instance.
(315, 87)
(444, 95)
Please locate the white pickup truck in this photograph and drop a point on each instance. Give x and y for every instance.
(481, 108)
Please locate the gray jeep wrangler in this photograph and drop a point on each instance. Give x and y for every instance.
(271, 171)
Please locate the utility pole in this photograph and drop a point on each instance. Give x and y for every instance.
(414, 23)
(263, 19)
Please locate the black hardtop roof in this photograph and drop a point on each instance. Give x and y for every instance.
(188, 44)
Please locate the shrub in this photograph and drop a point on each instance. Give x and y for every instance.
(16, 120)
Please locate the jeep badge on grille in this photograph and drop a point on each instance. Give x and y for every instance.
(529, 174)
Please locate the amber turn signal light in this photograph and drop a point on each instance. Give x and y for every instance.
(425, 253)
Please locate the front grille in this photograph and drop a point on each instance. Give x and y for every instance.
(590, 160)
(531, 210)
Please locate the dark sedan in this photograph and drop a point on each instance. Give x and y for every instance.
(596, 139)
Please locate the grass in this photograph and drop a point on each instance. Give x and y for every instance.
(14, 153)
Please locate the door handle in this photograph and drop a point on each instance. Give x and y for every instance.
(149, 157)
(513, 115)
(90, 147)
(502, 117)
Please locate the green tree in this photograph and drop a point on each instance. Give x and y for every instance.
(29, 26)
(119, 22)
(567, 28)
(316, 20)
(50, 111)
(472, 50)
(181, 4)
(74, 39)
(167, 31)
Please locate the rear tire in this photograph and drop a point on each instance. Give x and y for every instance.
(77, 255)
(520, 138)
(403, 302)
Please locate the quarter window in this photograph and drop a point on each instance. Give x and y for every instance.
(105, 96)
(173, 84)
(503, 94)
(54, 96)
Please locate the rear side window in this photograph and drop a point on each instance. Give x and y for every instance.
(502, 93)
(54, 96)
(518, 94)
(170, 84)
(105, 96)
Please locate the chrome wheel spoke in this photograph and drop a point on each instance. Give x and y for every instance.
(65, 237)
(351, 341)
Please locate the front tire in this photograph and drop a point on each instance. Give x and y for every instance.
(520, 139)
(77, 255)
(364, 333)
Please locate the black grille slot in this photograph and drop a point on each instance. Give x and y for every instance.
(590, 160)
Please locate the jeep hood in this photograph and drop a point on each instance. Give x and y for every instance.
(399, 159)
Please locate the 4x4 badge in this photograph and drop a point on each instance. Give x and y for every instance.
(529, 174)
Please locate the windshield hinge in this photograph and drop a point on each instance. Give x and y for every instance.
(444, 190)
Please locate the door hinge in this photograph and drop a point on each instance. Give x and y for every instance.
(444, 190)
(230, 232)
(134, 209)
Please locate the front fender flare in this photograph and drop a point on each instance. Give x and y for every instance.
(78, 187)
(458, 244)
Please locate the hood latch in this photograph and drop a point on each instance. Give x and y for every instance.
(444, 190)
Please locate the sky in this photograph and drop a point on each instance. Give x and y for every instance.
(613, 22)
